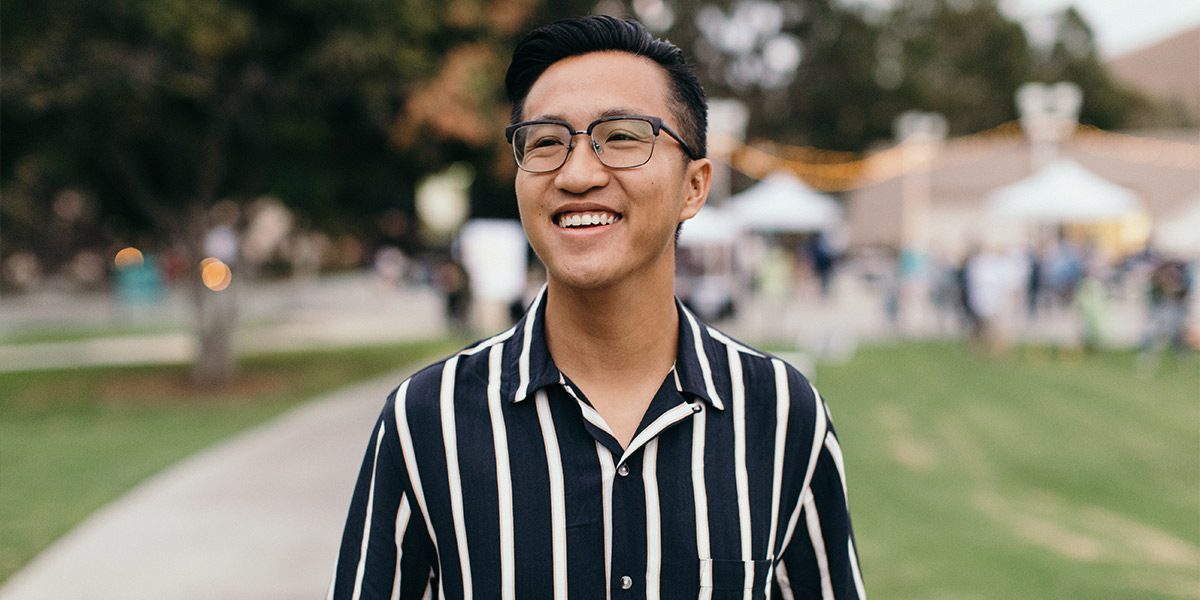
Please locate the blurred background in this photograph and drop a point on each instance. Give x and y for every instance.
(975, 223)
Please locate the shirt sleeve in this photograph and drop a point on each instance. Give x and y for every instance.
(386, 551)
(821, 561)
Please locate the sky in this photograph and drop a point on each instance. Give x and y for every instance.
(1119, 25)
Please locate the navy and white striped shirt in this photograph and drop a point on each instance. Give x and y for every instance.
(490, 475)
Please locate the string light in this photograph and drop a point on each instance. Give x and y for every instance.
(835, 171)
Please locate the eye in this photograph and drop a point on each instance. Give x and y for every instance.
(631, 131)
(620, 136)
(546, 141)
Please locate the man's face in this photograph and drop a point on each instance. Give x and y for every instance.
(633, 211)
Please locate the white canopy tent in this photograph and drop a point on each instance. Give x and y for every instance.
(1180, 234)
(712, 226)
(782, 202)
(1063, 192)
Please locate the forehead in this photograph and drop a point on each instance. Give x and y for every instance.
(582, 88)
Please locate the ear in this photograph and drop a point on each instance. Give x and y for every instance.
(698, 180)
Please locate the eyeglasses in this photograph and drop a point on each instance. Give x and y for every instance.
(621, 142)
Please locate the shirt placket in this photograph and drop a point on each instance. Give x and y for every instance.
(636, 544)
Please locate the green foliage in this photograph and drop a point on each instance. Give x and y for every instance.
(1074, 58)
(72, 440)
(962, 60)
(153, 107)
(1032, 476)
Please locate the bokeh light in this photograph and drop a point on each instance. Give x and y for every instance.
(215, 274)
(129, 257)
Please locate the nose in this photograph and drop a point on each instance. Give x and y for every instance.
(583, 170)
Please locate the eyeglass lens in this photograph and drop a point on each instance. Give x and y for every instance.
(619, 144)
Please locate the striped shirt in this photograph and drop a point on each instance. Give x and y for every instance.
(490, 475)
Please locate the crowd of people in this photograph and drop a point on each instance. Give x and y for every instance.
(993, 291)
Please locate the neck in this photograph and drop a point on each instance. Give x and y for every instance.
(623, 331)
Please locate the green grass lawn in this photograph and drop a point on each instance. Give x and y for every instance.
(72, 440)
(1028, 476)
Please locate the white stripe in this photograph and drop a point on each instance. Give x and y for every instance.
(819, 430)
(607, 473)
(677, 413)
(410, 462)
(785, 584)
(653, 520)
(741, 478)
(835, 450)
(523, 359)
(366, 536)
(783, 401)
(453, 478)
(724, 339)
(503, 475)
(818, 542)
(402, 517)
(704, 366)
(488, 343)
(589, 413)
(558, 509)
(791, 526)
(858, 581)
(700, 493)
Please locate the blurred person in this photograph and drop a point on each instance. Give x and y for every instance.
(390, 266)
(609, 443)
(1063, 263)
(824, 258)
(943, 296)
(1091, 305)
(1167, 299)
(962, 278)
(451, 279)
(1033, 284)
(994, 280)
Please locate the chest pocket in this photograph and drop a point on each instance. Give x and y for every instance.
(731, 578)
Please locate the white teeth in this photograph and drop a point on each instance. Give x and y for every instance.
(587, 219)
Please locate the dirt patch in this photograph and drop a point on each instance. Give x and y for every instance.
(903, 446)
(160, 388)
(1088, 533)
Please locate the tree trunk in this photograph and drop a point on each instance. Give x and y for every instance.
(215, 362)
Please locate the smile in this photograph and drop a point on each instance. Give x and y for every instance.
(586, 219)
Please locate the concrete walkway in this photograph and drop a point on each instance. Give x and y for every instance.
(258, 517)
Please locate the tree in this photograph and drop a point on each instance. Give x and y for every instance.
(964, 60)
(1073, 57)
(164, 108)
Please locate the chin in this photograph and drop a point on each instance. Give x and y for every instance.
(584, 278)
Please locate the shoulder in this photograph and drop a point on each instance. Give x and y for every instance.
(461, 374)
(768, 376)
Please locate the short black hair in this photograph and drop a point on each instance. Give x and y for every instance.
(598, 33)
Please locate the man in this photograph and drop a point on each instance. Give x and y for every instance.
(609, 445)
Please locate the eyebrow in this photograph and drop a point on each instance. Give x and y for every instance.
(612, 112)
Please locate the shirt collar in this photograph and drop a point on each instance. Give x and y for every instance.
(528, 357)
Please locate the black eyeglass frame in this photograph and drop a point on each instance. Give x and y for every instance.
(656, 124)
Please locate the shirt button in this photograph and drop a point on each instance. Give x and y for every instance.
(626, 582)
(623, 470)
